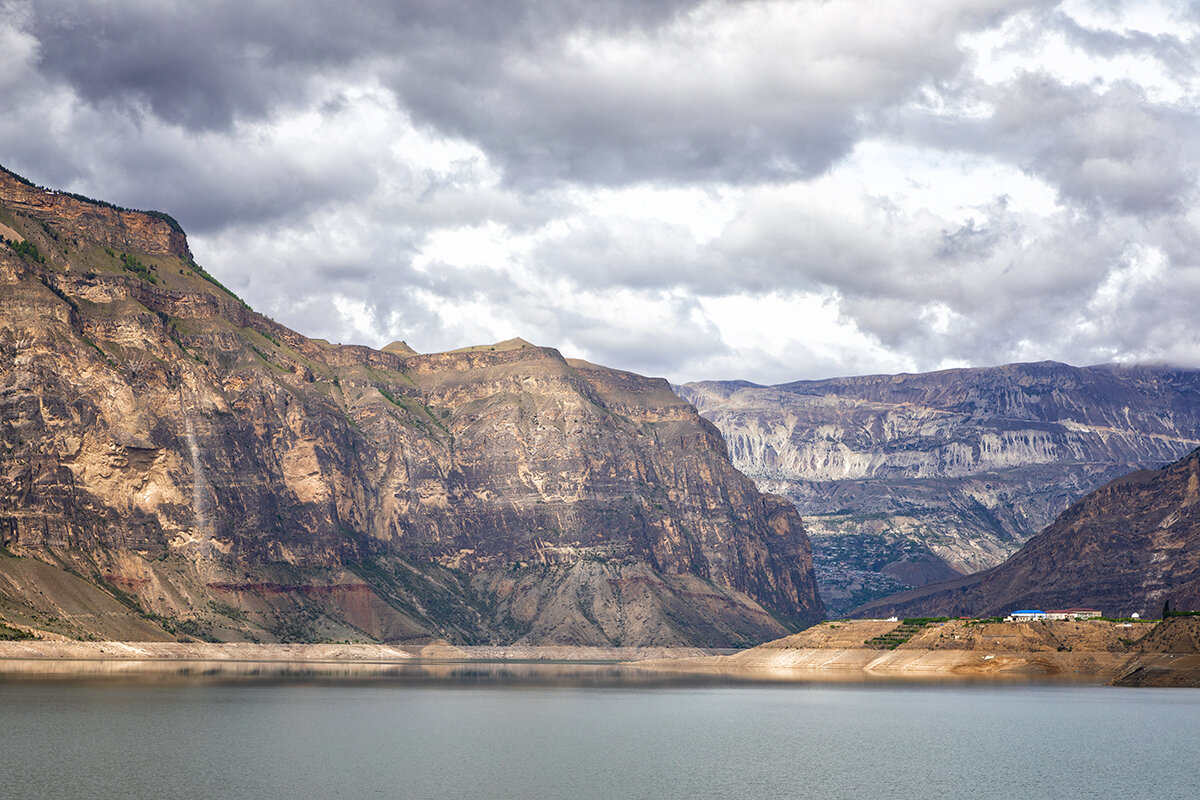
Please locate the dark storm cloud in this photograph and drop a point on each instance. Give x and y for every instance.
(541, 87)
(545, 127)
(584, 92)
(203, 65)
(697, 99)
(198, 65)
(160, 104)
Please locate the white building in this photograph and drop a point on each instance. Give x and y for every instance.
(1028, 615)
(1073, 613)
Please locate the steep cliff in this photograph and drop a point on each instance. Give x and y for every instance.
(910, 479)
(220, 475)
(1128, 547)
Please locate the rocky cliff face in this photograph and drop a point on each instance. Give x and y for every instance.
(1128, 547)
(909, 479)
(93, 221)
(164, 445)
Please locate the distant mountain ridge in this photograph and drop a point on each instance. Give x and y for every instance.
(1129, 547)
(907, 479)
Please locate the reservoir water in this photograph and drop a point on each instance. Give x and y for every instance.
(463, 737)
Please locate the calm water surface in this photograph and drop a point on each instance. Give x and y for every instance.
(469, 739)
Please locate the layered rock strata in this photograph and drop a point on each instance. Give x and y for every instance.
(910, 479)
(222, 476)
(1131, 546)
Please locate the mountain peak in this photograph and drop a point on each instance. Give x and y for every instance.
(84, 219)
(399, 348)
(239, 480)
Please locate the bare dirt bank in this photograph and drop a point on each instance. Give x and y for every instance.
(1092, 651)
(915, 664)
(1162, 670)
(1141, 654)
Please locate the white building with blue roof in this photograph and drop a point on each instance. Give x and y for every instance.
(1025, 615)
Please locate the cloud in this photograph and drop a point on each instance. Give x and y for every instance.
(920, 283)
(18, 54)
(635, 253)
(1113, 149)
(201, 66)
(1103, 114)
(208, 180)
(593, 92)
(701, 188)
(721, 92)
(208, 66)
(998, 288)
(927, 289)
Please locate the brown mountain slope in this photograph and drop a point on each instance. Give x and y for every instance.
(230, 478)
(1128, 547)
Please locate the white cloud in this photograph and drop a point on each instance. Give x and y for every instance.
(951, 185)
(790, 334)
(18, 53)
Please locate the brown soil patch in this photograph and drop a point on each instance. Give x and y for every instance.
(1173, 635)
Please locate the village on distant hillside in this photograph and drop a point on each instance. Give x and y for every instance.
(1028, 615)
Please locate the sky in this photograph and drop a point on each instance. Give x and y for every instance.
(760, 190)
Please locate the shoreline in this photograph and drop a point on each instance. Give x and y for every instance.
(165, 660)
(816, 664)
(1093, 652)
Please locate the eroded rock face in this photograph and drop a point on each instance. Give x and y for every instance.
(908, 479)
(165, 442)
(1128, 547)
(94, 222)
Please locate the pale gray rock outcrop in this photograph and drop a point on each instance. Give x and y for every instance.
(908, 479)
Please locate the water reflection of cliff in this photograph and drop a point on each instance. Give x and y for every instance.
(410, 671)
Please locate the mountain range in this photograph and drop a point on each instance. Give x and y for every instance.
(905, 480)
(1132, 546)
(174, 464)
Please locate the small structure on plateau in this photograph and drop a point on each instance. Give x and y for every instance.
(1028, 615)
(1074, 613)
